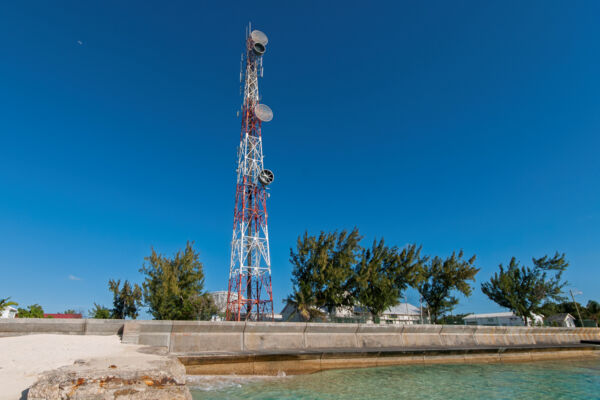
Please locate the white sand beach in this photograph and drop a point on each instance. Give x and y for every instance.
(23, 358)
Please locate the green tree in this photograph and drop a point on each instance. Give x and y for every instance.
(457, 319)
(571, 308)
(69, 311)
(303, 303)
(523, 289)
(382, 274)
(205, 307)
(6, 303)
(323, 268)
(127, 300)
(32, 311)
(593, 310)
(549, 308)
(173, 288)
(99, 312)
(437, 279)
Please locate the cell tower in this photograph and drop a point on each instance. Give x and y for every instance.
(250, 295)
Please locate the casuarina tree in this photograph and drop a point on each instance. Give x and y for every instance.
(439, 278)
(382, 274)
(522, 289)
(323, 268)
(173, 287)
(127, 300)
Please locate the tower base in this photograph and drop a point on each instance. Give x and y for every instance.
(250, 298)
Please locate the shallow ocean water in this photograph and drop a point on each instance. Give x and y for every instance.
(536, 380)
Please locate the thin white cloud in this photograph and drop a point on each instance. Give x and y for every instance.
(74, 278)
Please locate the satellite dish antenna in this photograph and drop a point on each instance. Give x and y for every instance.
(266, 177)
(263, 112)
(259, 49)
(259, 37)
(260, 42)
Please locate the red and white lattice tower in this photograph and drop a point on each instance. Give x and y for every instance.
(250, 295)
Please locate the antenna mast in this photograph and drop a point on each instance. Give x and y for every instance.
(250, 295)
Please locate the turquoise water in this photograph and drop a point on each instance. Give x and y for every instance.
(537, 380)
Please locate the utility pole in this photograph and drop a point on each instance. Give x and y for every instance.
(576, 306)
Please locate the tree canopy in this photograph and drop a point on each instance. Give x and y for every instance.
(99, 312)
(127, 299)
(382, 274)
(304, 303)
(437, 279)
(457, 319)
(32, 311)
(322, 269)
(591, 311)
(333, 270)
(6, 303)
(173, 287)
(522, 289)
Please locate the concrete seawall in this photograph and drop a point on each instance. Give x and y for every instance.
(233, 337)
(306, 362)
(295, 348)
(271, 348)
(32, 326)
(200, 337)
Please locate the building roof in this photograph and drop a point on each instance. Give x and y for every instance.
(559, 317)
(490, 315)
(403, 309)
(506, 314)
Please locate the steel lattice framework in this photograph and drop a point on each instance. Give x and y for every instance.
(250, 295)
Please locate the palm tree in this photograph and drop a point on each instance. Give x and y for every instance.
(303, 304)
(5, 303)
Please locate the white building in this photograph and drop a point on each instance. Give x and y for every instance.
(403, 313)
(8, 312)
(501, 319)
(564, 319)
(220, 299)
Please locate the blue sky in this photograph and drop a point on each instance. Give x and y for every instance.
(456, 125)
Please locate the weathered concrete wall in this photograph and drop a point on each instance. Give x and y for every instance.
(28, 326)
(274, 336)
(198, 336)
(306, 362)
(201, 336)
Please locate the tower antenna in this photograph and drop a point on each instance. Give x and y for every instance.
(250, 294)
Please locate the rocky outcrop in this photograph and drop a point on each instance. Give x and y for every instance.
(142, 376)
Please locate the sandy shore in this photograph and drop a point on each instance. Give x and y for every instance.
(23, 358)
